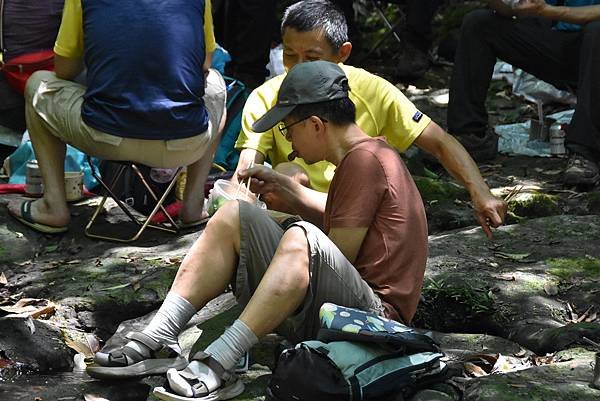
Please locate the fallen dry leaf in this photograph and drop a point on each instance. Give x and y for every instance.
(93, 342)
(3, 280)
(512, 256)
(502, 365)
(592, 317)
(5, 363)
(78, 346)
(572, 315)
(506, 277)
(474, 370)
(31, 307)
(91, 397)
(585, 314)
(173, 261)
(522, 352)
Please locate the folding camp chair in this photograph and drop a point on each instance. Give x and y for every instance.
(108, 189)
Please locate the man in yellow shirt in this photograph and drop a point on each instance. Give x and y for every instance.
(316, 30)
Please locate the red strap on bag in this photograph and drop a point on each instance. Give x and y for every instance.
(18, 70)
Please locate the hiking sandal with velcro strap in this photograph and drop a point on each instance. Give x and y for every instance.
(202, 389)
(126, 362)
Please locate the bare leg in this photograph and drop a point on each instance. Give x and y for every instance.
(280, 292)
(282, 288)
(211, 262)
(209, 265)
(50, 153)
(193, 196)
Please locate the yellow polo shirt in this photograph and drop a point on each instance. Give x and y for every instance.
(381, 110)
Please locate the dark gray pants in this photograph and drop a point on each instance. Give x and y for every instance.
(564, 59)
(332, 276)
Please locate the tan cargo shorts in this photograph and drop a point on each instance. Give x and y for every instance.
(54, 105)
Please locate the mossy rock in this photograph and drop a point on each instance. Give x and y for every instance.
(15, 246)
(593, 199)
(448, 215)
(538, 205)
(436, 190)
(565, 381)
(561, 338)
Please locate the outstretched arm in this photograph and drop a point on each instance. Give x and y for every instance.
(489, 210)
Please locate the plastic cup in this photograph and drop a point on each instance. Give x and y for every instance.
(224, 190)
(73, 185)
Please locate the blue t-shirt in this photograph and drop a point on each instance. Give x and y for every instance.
(144, 61)
(565, 26)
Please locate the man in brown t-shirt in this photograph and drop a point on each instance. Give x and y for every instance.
(371, 254)
(373, 190)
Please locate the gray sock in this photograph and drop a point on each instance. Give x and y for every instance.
(169, 321)
(233, 343)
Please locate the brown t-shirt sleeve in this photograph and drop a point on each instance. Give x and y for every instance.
(359, 189)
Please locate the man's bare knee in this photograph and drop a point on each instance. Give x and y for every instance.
(294, 247)
(294, 171)
(227, 217)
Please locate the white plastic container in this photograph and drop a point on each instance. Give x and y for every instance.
(224, 190)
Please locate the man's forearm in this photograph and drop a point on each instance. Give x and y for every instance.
(307, 203)
(67, 68)
(575, 15)
(462, 167)
(247, 157)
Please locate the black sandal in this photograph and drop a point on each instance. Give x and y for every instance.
(127, 362)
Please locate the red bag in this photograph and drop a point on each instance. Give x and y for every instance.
(18, 70)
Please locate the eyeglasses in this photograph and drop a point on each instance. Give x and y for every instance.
(284, 128)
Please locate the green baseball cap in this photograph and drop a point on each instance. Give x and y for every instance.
(305, 83)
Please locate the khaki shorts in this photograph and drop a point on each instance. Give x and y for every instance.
(332, 276)
(54, 105)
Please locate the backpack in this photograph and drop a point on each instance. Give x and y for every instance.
(130, 189)
(383, 359)
(227, 156)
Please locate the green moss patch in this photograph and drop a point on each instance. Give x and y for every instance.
(475, 301)
(569, 268)
(539, 205)
(437, 190)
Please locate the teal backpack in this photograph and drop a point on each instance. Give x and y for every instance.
(357, 356)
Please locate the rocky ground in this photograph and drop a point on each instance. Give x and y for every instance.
(528, 299)
(516, 316)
